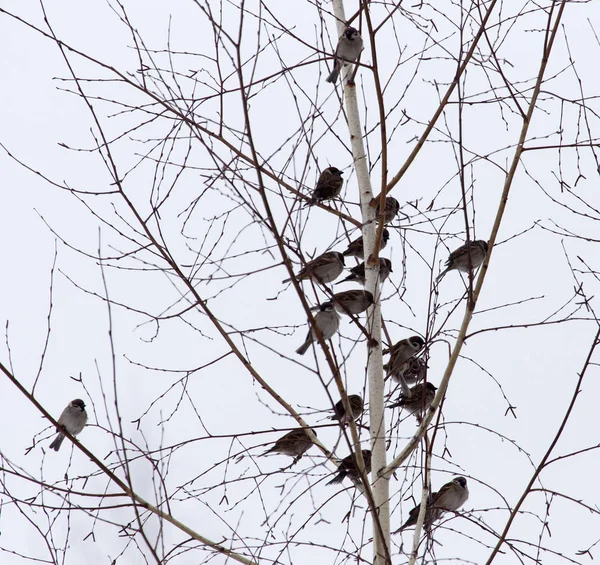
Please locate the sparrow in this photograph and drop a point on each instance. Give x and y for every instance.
(328, 322)
(323, 269)
(349, 468)
(358, 273)
(392, 207)
(401, 352)
(73, 419)
(352, 302)
(328, 186)
(471, 254)
(412, 371)
(357, 247)
(421, 397)
(347, 51)
(449, 498)
(295, 444)
(356, 406)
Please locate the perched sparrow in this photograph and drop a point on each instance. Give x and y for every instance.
(328, 322)
(357, 247)
(412, 371)
(450, 497)
(401, 352)
(295, 444)
(349, 468)
(328, 186)
(347, 51)
(392, 207)
(352, 301)
(356, 406)
(323, 269)
(471, 254)
(358, 273)
(73, 419)
(421, 397)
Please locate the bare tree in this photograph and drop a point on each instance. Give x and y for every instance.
(194, 155)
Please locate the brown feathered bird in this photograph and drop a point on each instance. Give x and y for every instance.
(392, 207)
(401, 352)
(328, 322)
(322, 269)
(73, 419)
(412, 371)
(421, 397)
(470, 255)
(352, 301)
(356, 407)
(328, 186)
(356, 248)
(449, 498)
(349, 468)
(295, 444)
(357, 274)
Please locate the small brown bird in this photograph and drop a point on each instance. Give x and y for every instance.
(449, 498)
(357, 274)
(295, 444)
(349, 468)
(412, 371)
(402, 352)
(328, 322)
(328, 186)
(352, 302)
(470, 255)
(392, 207)
(73, 419)
(357, 247)
(322, 269)
(421, 397)
(347, 50)
(356, 406)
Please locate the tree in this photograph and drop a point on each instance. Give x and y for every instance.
(178, 203)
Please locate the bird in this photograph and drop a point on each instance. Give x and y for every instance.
(352, 302)
(356, 248)
(412, 371)
(328, 186)
(470, 255)
(328, 322)
(358, 273)
(73, 419)
(347, 51)
(295, 444)
(449, 498)
(322, 269)
(349, 468)
(392, 207)
(401, 352)
(421, 397)
(356, 408)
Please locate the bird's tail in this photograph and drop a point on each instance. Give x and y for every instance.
(441, 276)
(57, 442)
(337, 479)
(304, 347)
(410, 522)
(347, 279)
(335, 73)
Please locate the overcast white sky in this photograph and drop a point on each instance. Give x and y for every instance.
(537, 367)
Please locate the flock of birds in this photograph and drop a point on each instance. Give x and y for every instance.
(404, 364)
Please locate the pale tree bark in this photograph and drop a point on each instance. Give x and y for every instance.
(380, 483)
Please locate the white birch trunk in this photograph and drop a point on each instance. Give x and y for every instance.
(380, 486)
